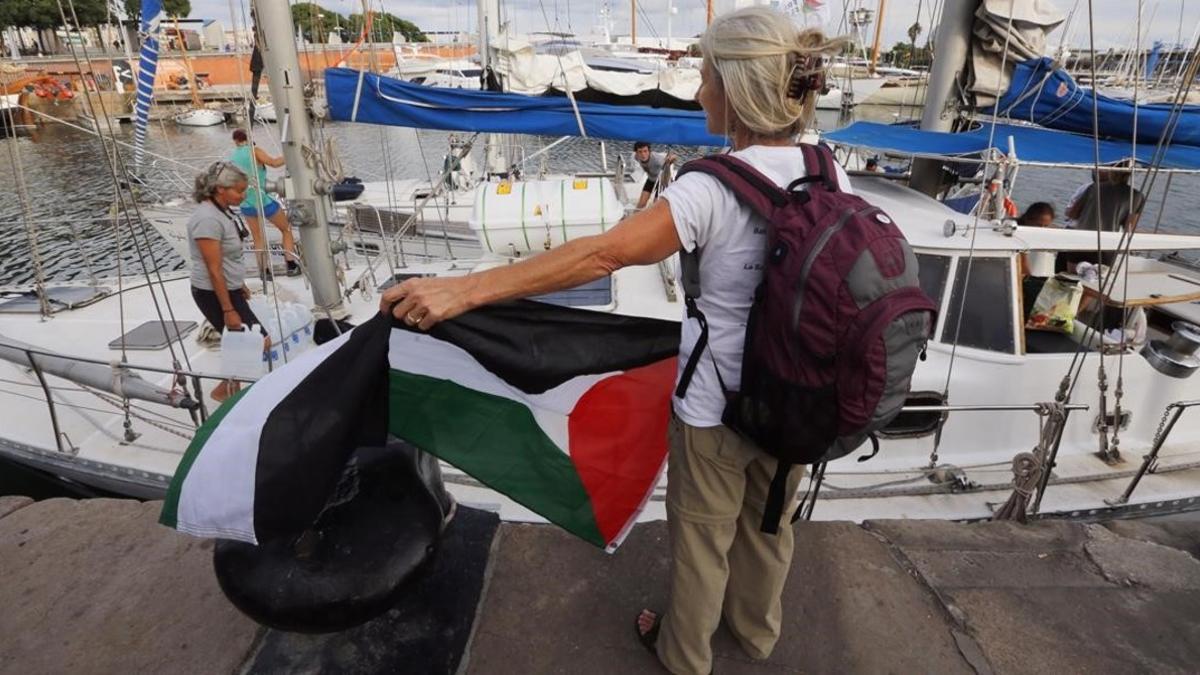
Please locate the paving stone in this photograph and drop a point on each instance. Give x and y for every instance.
(1145, 563)
(1181, 534)
(12, 503)
(98, 586)
(555, 604)
(849, 607)
(1094, 630)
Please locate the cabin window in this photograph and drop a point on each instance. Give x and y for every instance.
(933, 270)
(596, 293)
(987, 313)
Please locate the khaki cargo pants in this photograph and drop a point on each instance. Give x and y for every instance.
(721, 564)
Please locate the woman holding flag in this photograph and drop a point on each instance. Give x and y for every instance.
(756, 64)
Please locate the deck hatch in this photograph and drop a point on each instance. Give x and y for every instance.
(153, 335)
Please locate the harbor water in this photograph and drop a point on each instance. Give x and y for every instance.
(71, 193)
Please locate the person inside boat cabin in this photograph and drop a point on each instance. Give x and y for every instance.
(1109, 204)
(218, 269)
(754, 91)
(253, 160)
(1037, 214)
(653, 164)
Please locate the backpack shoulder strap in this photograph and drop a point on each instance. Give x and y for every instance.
(818, 167)
(748, 184)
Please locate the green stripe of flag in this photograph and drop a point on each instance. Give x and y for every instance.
(170, 512)
(495, 440)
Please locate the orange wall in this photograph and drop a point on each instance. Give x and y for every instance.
(234, 69)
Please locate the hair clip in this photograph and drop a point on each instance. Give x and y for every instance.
(808, 74)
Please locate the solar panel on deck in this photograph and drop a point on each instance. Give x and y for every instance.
(596, 293)
(59, 298)
(153, 335)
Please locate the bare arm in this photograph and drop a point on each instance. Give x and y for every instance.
(264, 159)
(644, 238)
(210, 250)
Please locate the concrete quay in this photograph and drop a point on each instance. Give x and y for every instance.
(98, 586)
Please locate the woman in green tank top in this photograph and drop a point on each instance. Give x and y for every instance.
(258, 204)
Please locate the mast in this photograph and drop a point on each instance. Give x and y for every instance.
(187, 62)
(308, 196)
(708, 13)
(633, 23)
(670, 10)
(878, 35)
(951, 47)
(495, 156)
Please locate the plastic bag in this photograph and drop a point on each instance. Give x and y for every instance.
(1056, 306)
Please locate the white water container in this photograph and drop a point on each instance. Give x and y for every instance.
(242, 353)
(529, 216)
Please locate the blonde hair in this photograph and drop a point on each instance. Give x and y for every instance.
(218, 174)
(756, 52)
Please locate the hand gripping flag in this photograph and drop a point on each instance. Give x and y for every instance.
(562, 410)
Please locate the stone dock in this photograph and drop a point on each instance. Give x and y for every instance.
(98, 586)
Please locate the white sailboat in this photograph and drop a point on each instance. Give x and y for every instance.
(986, 396)
(197, 115)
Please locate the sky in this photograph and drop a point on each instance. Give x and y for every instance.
(1114, 19)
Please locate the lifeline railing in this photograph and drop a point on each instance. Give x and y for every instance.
(1150, 460)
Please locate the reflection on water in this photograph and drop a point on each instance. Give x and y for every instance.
(71, 191)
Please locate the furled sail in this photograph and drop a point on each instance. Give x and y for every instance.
(152, 14)
(356, 96)
(1044, 94)
(1032, 145)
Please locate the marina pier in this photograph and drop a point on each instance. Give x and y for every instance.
(98, 585)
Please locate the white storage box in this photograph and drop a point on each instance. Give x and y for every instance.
(536, 215)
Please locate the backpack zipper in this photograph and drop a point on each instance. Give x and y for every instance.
(811, 259)
(908, 299)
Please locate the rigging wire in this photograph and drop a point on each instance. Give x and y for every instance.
(984, 198)
(14, 152)
(116, 163)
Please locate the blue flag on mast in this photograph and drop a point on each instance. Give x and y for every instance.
(152, 14)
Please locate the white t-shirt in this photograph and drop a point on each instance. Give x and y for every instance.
(732, 242)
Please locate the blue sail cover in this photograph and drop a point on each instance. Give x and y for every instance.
(1048, 96)
(356, 96)
(152, 13)
(1032, 144)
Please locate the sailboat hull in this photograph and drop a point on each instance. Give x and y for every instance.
(200, 117)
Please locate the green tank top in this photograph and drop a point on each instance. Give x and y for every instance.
(243, 158)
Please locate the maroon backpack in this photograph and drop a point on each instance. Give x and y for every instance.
(836, 326)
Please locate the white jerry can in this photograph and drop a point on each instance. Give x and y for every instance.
(516, 217)
(242, 353)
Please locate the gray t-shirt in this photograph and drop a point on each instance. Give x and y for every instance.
(210, 222)
(653, 166)
(1110, 212)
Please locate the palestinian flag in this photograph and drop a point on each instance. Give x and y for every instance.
(562, 410)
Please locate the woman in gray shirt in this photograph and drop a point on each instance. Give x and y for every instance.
(215, 236)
